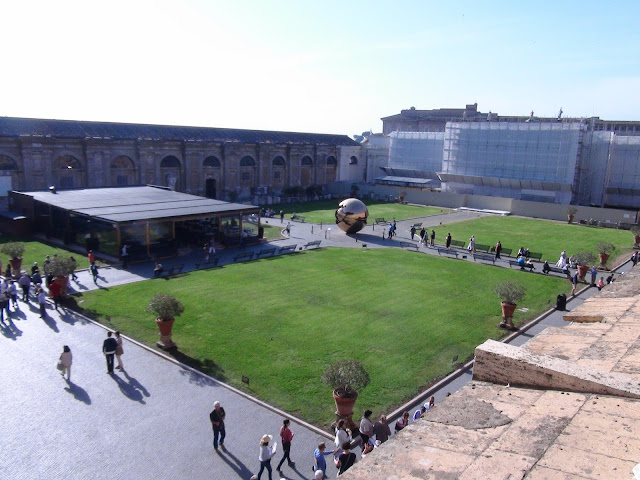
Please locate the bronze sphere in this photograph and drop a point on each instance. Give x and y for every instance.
(351, 215)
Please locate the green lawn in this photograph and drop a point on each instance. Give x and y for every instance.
(36, 251)
(281, 321)
(323, 211)
(272, 232)
(544, 236)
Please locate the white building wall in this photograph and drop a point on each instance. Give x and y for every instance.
(416, 150)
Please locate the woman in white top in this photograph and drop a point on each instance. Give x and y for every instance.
(266, 454)
(66, 359)
(366, 428)
(341, 436)
(119, 351)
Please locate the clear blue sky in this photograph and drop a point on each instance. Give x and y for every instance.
(330, 66)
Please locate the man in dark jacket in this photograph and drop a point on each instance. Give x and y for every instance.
(109, 349)
(217, 422)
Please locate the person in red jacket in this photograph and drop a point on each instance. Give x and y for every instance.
(54, 293)
(286, 435)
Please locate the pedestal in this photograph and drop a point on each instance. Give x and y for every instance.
(165, 342)
(507, 323)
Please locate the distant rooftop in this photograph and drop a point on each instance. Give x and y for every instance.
(74, 129)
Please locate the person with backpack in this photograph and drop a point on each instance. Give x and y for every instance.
(94, 272)
(346, 459)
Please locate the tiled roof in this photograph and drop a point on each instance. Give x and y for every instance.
(73, 129)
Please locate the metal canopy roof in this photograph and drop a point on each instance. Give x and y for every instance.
(36, 127)
(514, 183)
(128, 204)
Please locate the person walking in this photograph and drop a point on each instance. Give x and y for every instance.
(287, 436)
(124, 255)
(423, 232)
(157, 270)
(412, 231)
(42, 301)
(266, 454)
(319, 463)
(346, 459)
(381, 429)
(54, 293)
(341, 434)
(498, 249)
(4, 300)
(366, 427)
(433, 238)
(91, 257)
(594, 274)
(472, 244)
(281, 216)
(109, 347)
(74, 265)
(12, 293)
(448, 241)
(217, 423)
(66, 359)
(25, 285)
(94, 272)
(574, 283)
(119, 351)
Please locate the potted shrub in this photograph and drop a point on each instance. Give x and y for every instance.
(636, 236)
(571, 212)
(346, 377)
(61, 268)
(604, 249)
(166, 308)
(15, 251)
(510, 293)
(584, 259)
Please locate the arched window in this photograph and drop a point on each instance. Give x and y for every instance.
(68, 162)
(7, 163)
(353, 161)
(122, 162)
(211, 162)
(331, 161)
(247, 162)
(279, 161)
(170, 162)
(306, 161)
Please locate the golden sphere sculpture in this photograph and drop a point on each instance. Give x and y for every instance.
(351, 215)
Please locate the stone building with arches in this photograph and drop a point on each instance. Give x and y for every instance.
(219, 163)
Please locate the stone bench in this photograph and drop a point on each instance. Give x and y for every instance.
(448, 251)
(315, 243)
(243, 257)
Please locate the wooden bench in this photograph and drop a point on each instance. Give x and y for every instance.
(535, 256)
(381, 221)
(557, 270)
(299, 218)
(482, 248)
(457, 243)
(487, 257)
(288, 249)
(409, 245)
(514, 263)
(417, 225)
(241, 257)
(448, 251)
(505, 251)
(315, 243)
(265, 252)
(211, 261)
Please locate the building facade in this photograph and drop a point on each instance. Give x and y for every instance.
(217, 163)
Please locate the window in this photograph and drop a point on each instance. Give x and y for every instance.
(247, 162)
(211, 162)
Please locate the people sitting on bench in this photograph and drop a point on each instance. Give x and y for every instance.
(545, 267)
(157, 271)
(293, 216)
(525, 263)
(523, 252)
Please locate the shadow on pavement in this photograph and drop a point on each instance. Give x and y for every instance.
(129, 390)
(50, 322)
(9, 330)
(240, 468)
(78, 392)
(197, 379)
(135, 384)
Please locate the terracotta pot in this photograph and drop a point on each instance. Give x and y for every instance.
(583, 270)
(16, 264)
(344, 406)
(603, 259)
(508, 309)
(570, 218)
(636, 239)
(165, 326)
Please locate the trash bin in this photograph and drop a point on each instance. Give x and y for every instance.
(561, 302)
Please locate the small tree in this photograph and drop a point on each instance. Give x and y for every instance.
(572, 210)
(585, 258)
(61, 266)
(14, 250)
(510, 292)
(166, 307)
(605, 248)
(635, 230)
(346, 377)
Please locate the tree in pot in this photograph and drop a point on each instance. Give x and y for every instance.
(166, 307)
(346, 377)
(61, 268)
(15, 251)
(571, 212)
(584, 259)
(510, 293)
(604, 249)
(636, 236)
